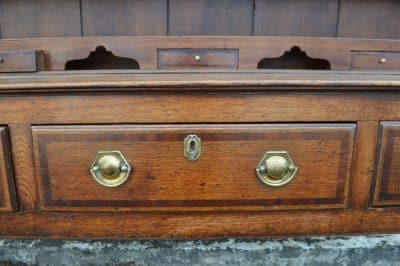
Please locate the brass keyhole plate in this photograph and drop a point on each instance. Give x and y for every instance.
(192, 147)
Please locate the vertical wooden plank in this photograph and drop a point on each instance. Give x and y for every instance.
(369, 19)
(22, 153)
(124, 17)
(210, 17)
(40, 18)
(296, 18)
(363, 163)
(8, 201)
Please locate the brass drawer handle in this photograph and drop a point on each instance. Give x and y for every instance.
(382, 60)
(110, 168)
(276, 168)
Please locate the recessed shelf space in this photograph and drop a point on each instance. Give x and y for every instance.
(102, 59)
(294, 59)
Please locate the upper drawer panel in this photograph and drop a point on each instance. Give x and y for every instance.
(8, 200)
(198, 58)
(222, 178)
(387, 189)
(20, 61)
(375, 61)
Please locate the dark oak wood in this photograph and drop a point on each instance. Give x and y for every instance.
(251, 50)
(199, 225)
(296, 17)
(387, 176)
(314, 18)
(22, 155)
(327, 120)
(139, 17)
(60, 104)
(8, 200)
(363, 164)
(171, 81)
(208, 17)
(39, 18)
(381, 61)
(198, 58)
(215, 107)
(222, 179)
(24, 61)
(369, 19)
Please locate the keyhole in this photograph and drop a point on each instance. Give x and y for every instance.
(192, 146)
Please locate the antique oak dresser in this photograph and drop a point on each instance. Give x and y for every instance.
(199, 119)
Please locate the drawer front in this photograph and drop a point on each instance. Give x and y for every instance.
(23, 61)
(198, 58)
(375, 61)
(8, 200)
(223, 177)
(387, 188)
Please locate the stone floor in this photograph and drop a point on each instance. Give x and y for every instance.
(356, 250)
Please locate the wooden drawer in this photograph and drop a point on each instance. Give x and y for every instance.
(222, 178)
(375, 61)
(198, 58)
(387, 188)
(8, 200)
(21, 61)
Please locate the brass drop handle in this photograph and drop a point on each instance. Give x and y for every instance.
(382, 60)
(110, 168)
(276, 168)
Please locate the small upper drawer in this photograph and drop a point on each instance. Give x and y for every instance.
(198, 58)
(193, 167)
(375, 61)
(387, 187)
(8, 200)
(21, 61)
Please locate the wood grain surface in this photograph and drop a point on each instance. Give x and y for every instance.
(199, 225)
(373, 61)
(208, 17)
(22, 61)
(223, 177)
(22, 154)
(39, 18)
(251, 50)
(363, 164)
(296, 17)
(69, 110)
(329, 122)
(8, 200)
(369, 19)
(315, 18)
(198, 58)
(139, 17)
(387, 175)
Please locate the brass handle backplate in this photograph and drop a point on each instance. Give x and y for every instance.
(276, 168)
(110, 168)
